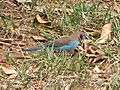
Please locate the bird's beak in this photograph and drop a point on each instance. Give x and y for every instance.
(87, 37)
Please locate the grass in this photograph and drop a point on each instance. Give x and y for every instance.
(54, 71)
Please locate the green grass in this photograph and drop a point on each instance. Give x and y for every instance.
(51, 67)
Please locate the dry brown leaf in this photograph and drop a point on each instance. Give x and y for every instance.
(69, 11)
(8, 69)
(91, 50)
(90, 60)
(98, 59)
(106, 0)
(91, 30)
(59, 11)
(116, 6)
(80, 48)
(96, 69)
(100, 52)
(105, 34)
(52, 33)
(22, 57)
(67, 86)
(36, 69)
(39, 19)
(86, 46)
(6, 40)
(23, 1)
(6, 44)
(40, 38)
(92, 55)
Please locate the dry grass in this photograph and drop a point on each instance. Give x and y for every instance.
(46, 70)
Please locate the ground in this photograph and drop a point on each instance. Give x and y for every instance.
(94, 65)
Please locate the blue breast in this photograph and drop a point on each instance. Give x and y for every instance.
(68, 47)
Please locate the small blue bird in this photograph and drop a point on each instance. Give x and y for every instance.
(63, 44)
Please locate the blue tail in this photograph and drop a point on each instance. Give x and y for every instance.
(33, 49)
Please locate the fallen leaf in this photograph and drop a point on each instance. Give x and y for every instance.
(59, 11)
(100, 52)
(105, 34)
(96, 69)
(40, 38)
(69, 11)
(106, 0)
(91, 50)
(100, 82)
(39, 19)
(99, 59)
(67, 86)
(36, 69)
(23, 1)
(80, 48)
(116, 6)
(22, 57)
(95, 54)
(91, 30)
(90, 60)
(92, 55)
(8, 69)
(52, 32)
(6, 44)
(6, 40)
(86, 46)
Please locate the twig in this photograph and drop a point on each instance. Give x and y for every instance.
(92, 30)
(20, 44)
(6, 44)
(6, 40)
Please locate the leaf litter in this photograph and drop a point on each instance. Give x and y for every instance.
(94, 52)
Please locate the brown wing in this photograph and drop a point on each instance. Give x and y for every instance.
(60, 42)
(64, 40)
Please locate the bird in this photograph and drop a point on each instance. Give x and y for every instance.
(67, 43)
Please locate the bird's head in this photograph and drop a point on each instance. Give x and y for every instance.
(79, 36)
(83, 36)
